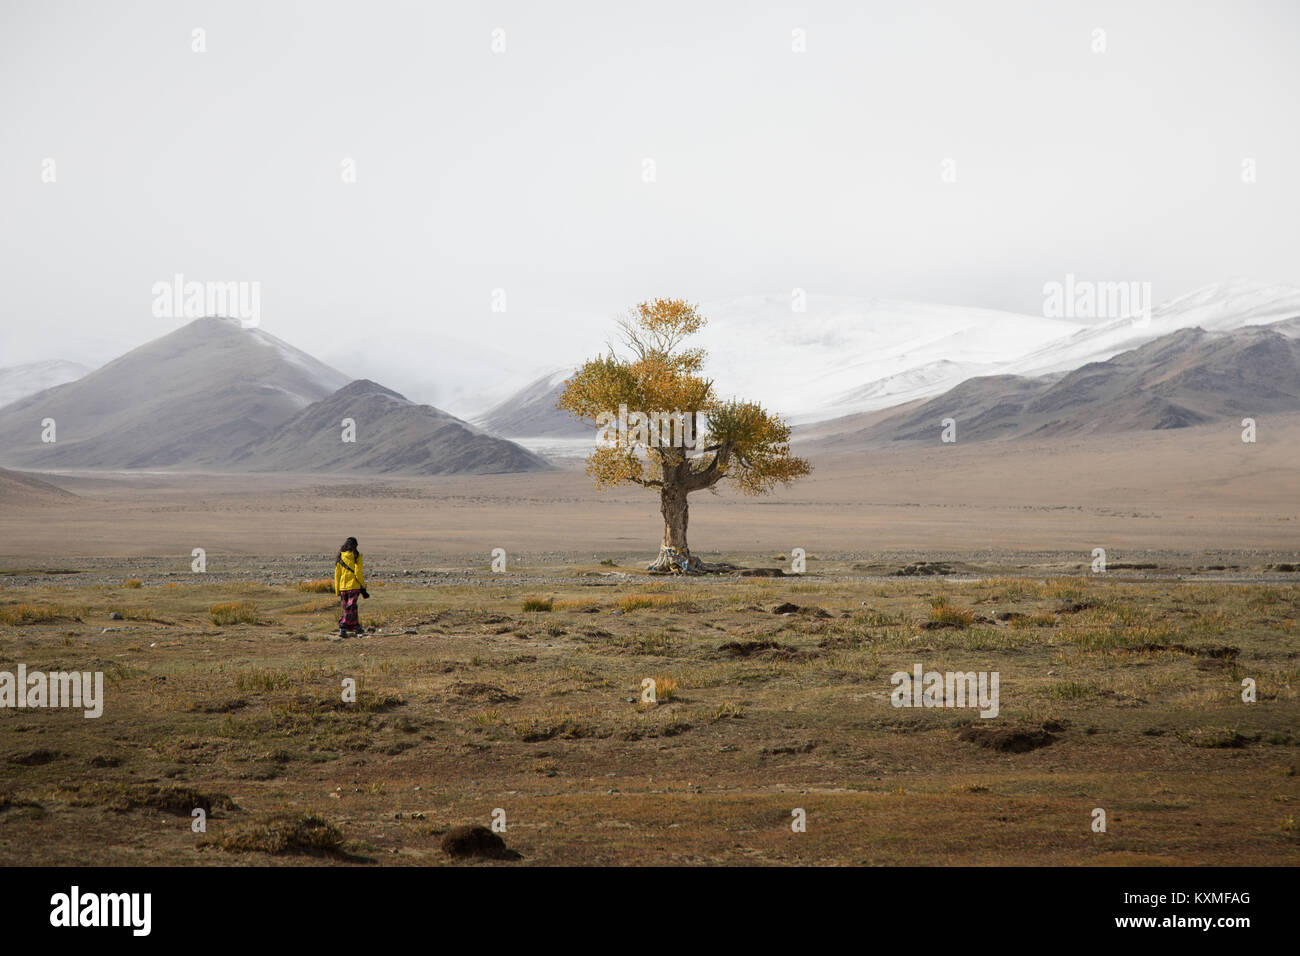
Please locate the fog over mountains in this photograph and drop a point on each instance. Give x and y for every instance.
(208, 385)
(1189, 377)
(19, 381)
(392, 436)
(531, 412)
(845, 357)
(215, 396)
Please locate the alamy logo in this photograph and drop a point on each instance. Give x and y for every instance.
(77, 689)
(179, 299)
(103, 909)
(651, 429)
(1085, 299)
(946, 689)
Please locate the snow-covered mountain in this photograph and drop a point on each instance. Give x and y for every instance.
(1222, 307)
(19, 381)
(844, 356)
(1185, 378)
(839, 356)
(531, 412)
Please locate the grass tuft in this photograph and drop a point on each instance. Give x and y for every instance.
(634, 602)
(233, 612)
(283, 833)
(946, 615)
(31, 613)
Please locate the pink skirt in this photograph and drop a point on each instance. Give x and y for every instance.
(350, 620)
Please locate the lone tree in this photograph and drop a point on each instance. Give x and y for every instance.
(665, 428)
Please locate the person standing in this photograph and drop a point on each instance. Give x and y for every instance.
(349, 584)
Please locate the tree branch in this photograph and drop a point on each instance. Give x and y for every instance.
(708, 476)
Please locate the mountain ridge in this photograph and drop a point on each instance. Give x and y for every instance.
(389, 435)
(191, 398)
(1187, 377)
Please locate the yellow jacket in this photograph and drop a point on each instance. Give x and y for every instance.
(350, 578)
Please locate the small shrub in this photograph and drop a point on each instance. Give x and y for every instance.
(133, 583)
(322, 586)
(538, 604)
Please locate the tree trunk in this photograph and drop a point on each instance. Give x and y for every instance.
(674, 554)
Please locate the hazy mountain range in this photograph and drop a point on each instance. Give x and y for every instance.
(215, 396)
(1188, 377)
(847, 357)
(392, 436)
(19, 381)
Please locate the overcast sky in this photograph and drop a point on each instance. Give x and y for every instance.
(524, 170)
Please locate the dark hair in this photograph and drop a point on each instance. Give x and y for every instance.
(348, 545)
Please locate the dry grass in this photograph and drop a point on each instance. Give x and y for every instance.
(311, 607)
(635, 602)
(941, 612)
(279, 834)
(1034, 620)
(470, 704)
(537, 604)
(665, 688)
(178, 800)
(233, 612)
(14, 614)
(579, 604)
(322, 586)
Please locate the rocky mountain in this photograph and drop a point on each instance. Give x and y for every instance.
(390, 436)
(209, 384)
(1185, 378)
(531, 412)
(214, 395)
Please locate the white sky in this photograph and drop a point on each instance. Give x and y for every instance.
(523, 170)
